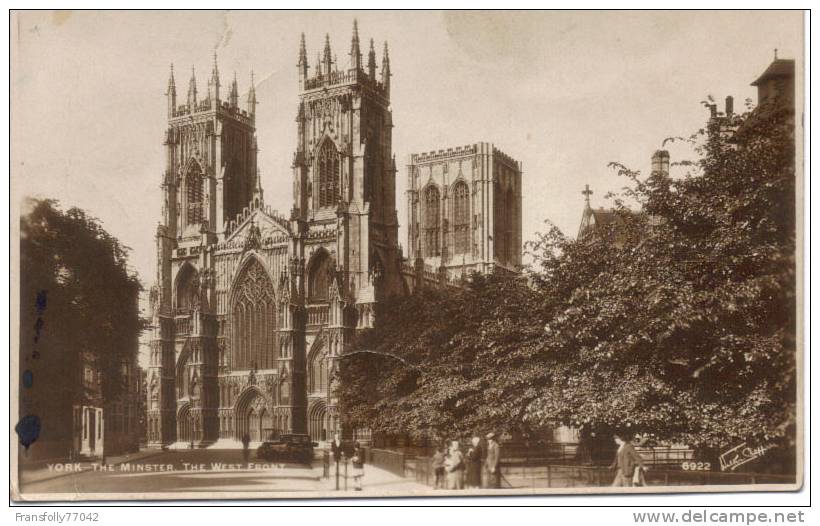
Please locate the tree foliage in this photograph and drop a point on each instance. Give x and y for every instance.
(78, 304)
(677, 320)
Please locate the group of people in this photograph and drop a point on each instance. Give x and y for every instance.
(479, 467)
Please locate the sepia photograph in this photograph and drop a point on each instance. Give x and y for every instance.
(331, 254)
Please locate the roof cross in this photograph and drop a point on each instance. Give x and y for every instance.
(586, 192)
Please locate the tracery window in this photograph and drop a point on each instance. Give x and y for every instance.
(253, 320)
(194, 192)
(432, 220)
(461, 217)
(327, 167)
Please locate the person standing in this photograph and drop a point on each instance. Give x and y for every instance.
(246, 452)
(454, 465)
(358, 466)
(438, 467)
(627, 462)
(493, 463)
(474, 464)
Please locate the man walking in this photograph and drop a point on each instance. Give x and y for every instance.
(628, 462)
(246, 441)
(492, 463)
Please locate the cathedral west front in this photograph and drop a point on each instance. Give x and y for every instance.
(252, 310)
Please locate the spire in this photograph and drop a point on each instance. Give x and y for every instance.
(327, 58)
(302, 64)
(171, 94)
(252, 102)
(257, 188)
(192, 91)
(213, 84)
(318, 65)
(386, 68)
(371, 61)
(234, 96)
(172, 87)
(355, 52)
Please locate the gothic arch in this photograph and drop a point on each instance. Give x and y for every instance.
(193, 195)
(319, 269)
(327, 168)
(318, 421)
(254, 321)
(186, 289)
(185, 423)
(254, 414)
(182, 377)
(318, 369)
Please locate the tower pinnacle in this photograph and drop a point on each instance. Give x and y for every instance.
(213, 84)
(386, 68)
(252, 102)
(234, 96)
(327, 58)
(355, 52)
(192, 90)
(171, 93)
(371, 61)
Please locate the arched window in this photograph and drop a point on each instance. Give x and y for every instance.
(432, 221)
(318, 371)
(319, 277)
(187, 289)
(253, 320)
(511, 224)
(327, 180)
(194, 193)
(461, 217)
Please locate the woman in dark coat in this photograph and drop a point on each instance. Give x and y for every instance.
(474, 463)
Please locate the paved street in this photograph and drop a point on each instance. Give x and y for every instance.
(203, 471)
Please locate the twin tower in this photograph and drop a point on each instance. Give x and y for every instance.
(252, 309)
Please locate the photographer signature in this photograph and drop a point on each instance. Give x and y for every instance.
(741, 454)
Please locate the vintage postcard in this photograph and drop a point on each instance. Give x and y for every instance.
(301, 254)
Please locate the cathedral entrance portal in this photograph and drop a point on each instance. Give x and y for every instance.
(253, 417)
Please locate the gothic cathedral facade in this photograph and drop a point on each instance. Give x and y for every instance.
(251, 310)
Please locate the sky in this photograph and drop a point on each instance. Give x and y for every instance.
(564, 92)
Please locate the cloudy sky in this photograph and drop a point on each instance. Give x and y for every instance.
(564, 92)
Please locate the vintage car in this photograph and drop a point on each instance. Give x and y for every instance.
(298, 448)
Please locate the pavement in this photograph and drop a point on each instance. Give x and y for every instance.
(197, 473)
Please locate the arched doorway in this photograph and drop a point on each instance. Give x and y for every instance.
(185, 424)
(252, 416)
(318, 427)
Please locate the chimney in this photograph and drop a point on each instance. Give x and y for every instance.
(660, 163)
(730, 105)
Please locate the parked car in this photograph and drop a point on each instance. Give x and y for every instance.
(298, 448)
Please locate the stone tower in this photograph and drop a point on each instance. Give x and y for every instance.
(210, 176)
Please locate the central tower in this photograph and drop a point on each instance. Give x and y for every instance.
(344, 170)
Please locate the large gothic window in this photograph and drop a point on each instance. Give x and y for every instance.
(318, 371)
(319, 277)
(253, 320)
(461, 217)
(432, 221)
(327, 180)
(194, 192)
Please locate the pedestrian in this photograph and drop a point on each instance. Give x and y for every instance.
(628, 463)
(246, 452)
(438, 467)
(474, 463)
(358, 466)
(454, 465)
(492, 462)
(336, 448)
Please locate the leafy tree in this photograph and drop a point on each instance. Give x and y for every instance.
(78, 304)
(677, 320)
